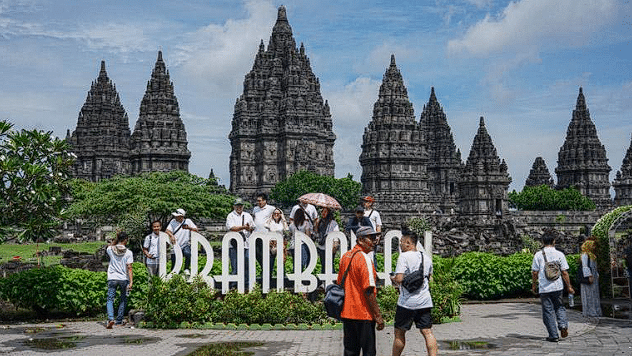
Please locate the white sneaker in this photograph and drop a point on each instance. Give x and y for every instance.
(186, 272)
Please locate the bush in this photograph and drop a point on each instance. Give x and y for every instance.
(544, 197)
(66, 290)
(446, 291)
(345, 190)
(486, 276)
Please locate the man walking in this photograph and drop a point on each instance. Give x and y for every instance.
(179, 231)
(550, 287)
(413, 305)
(360, 313)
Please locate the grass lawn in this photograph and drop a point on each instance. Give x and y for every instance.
(27, 251)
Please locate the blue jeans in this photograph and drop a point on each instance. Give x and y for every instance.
(304, 256)
(553, 312)
(232, 256)
(186, 253)
(113, 284)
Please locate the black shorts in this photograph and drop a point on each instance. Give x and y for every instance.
(404, 318)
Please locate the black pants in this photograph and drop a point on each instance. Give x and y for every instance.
(359, 335)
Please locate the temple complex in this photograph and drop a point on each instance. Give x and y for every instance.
(101, 139)
(539, 174)
(623, 182)
(281, 124)
(484, 180)
(582, 160)
(159, 141)
(444, 159)
(394, 156)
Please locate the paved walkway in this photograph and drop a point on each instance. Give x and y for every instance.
(508, 329)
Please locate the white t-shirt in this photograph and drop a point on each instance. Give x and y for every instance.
(233, 219)
(546, 286)
(117, 269)
(183, 236)
(374, 216)
(151, 244)
(409, 262)
(261, 215)
(309, 209)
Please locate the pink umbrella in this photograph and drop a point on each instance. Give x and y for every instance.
(320, 199)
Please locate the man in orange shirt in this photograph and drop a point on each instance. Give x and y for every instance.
(360, 313)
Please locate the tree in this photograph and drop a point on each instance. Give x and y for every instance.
(345, 190)
(35, 172)
(132, 203)
(544, 197)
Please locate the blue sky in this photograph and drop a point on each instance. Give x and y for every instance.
(519, 64)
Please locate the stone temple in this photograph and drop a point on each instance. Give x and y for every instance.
(394, 156)
(539, 174)
(623, 182)
(102, 141)
(281, 124)
(582, 160)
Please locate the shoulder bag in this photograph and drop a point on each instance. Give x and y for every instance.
(335, 294)
(414, 281)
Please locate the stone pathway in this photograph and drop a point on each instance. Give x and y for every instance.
(507, 328)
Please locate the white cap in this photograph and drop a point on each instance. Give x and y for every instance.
(179, 212)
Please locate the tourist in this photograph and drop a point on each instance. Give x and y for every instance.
(303, 224)
(151, 250)
(360, 312)
(413, 306)
(591, 304)
(120, 276)
(553, 311)
(261, 214)
(277, 223)
(239, 221)
(308, 209)
(358, 220)
(374, 216)
(179, 231)
(324, 225)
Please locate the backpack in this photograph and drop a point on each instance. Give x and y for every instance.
(580, 272)
(552, 269)
(415, 280)
(335, 294)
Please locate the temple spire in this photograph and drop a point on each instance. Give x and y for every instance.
(582, 161)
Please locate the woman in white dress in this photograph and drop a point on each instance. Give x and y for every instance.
(591, 303)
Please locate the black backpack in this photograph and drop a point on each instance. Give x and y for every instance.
(415, 280)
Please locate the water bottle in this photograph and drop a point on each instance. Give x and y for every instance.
(571, 300)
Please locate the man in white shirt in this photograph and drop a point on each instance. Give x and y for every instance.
(376, 222)
(239, 221)
(262, 212)
(553, 311)
(179, 231)
(310, 211)
(150, 249)
(413, 305)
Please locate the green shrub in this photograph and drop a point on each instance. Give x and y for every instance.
(66, 290)
(487, 276)
(446, 291)
(544, 197)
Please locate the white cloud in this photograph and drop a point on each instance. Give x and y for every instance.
(218, 56)
(528, 25)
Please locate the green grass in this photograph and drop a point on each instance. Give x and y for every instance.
(27, 251)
